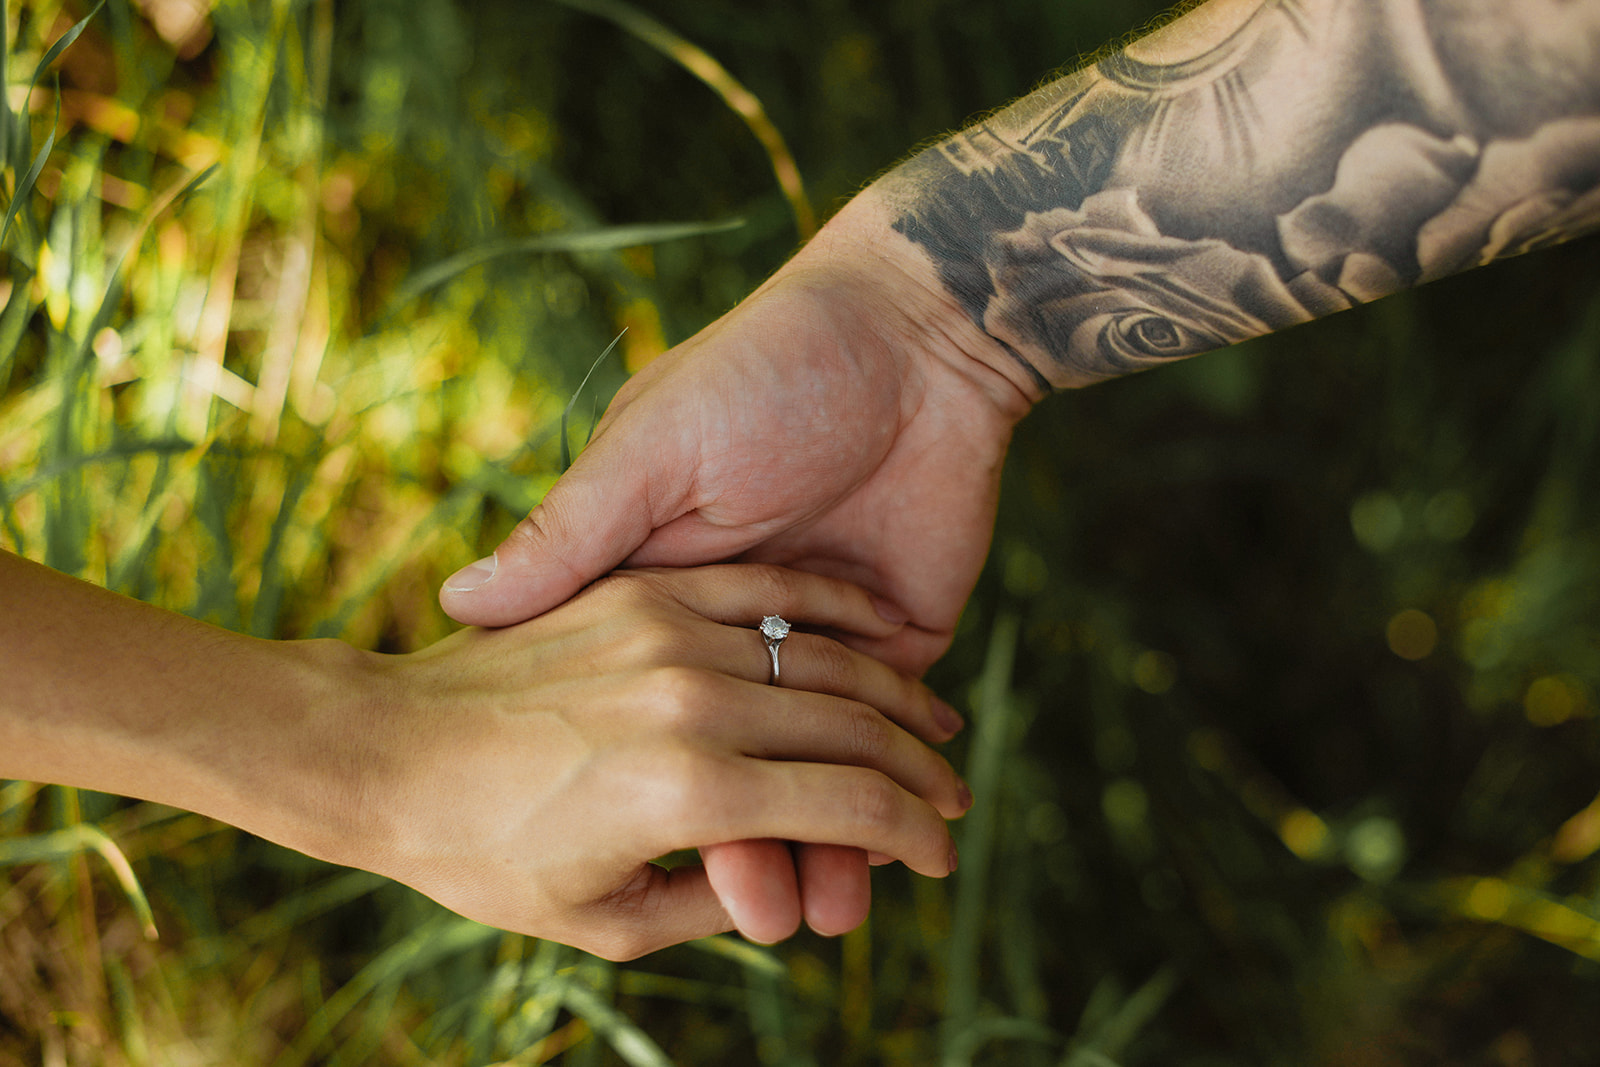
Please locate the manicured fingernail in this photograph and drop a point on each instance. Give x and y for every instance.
(955, 858)
(963, 795)
(946, 716)
(473, 575)
(889, 612)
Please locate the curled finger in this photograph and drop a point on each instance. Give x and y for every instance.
(809, 802)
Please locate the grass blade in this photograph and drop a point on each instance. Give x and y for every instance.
(448, 512)
(606, 239)
(14, 319)
(993, 717)
(307, 904)
(698, 62)
(62, 44)
(5, 103)
(25, 186)
(448, 936)
(544, 983)
(566, 412)
(1109, 1036)
(50, 472)
(64, 844)
(980, 1032)
(264, 613)
(616, 1029)
(753, 958)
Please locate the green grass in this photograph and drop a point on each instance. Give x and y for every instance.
(290, 329)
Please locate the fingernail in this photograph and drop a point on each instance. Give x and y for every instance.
(889, 612)
(955, 858)
(963, 794)
(473, 575)
(947, 717)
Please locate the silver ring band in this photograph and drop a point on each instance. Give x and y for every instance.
(773, 630)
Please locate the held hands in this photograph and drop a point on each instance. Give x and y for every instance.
(835, 423)
(524, 777)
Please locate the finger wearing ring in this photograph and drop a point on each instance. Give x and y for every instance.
(773, 631)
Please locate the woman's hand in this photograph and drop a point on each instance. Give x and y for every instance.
(525, 777)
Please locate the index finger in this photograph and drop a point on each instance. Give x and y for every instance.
(740, 594)
(807, 802)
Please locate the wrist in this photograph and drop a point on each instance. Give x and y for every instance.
(912, 306)
(103, 692)
(290, 757)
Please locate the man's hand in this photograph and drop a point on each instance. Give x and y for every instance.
(833, 422)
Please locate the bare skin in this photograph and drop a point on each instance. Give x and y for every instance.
(524, 777)
(1252, 165)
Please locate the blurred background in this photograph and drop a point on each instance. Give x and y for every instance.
(1281, 678)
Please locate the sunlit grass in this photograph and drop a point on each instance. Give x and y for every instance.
(208, 410)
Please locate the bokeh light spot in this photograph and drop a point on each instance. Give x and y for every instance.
(1025, 572)
(1304, 833)
(1375, 848)
(1377, 521)
(1579, 837)
(1125, 803)
(1553, 699)
(1412, 634)
(1155, 672)
(1490, 899)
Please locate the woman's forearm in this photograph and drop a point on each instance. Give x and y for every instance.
(107, 693)
(1257, 164)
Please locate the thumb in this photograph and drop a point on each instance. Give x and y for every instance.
(662, 908)
(755, 881)
(591, 520)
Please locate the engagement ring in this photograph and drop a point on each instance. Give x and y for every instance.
(773, 631)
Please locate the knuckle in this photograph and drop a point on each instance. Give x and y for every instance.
(622, 589)
(865, 736)
(835, 670)
(682, 697)
(778, 586)
(874, 803)
(530, 534)
(650, 642)
(544, 533)
(678, 786)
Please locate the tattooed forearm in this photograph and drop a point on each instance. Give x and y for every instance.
(1260, 163)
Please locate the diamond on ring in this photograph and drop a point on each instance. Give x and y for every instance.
(773, 631)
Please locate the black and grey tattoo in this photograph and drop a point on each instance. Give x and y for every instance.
(1258, 164)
